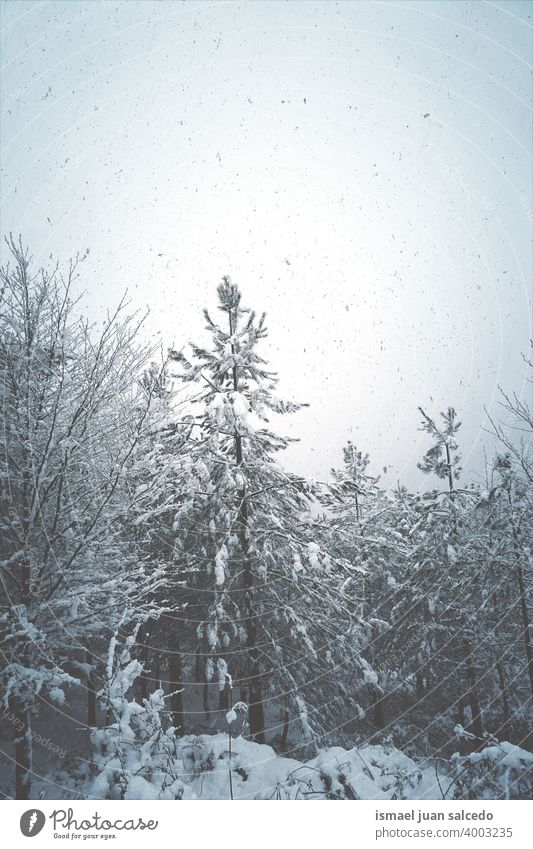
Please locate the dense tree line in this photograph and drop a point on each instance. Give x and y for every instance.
(151, 540)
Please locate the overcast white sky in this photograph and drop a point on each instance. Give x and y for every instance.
(362, 169)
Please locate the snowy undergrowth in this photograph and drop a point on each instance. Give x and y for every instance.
(198, 767)
(139, 756)
(500, 770)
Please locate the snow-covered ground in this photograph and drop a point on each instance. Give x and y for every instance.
(205, 769)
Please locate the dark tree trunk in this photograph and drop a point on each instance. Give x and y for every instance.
(198, 668)
(377, 705)
(285, 732)
(22, 714)
(463, 744)
(144, 684)
(23, 751)
(477, 726)
(201, 673)
(144, 659)
(176, 699)
(224, 697)
(256, 713)
(526, 623)
(461, 712)
(157, 672)
(205, 696)
(255, 688)
(91, 704)
(91, 694)
(506, 712)
(450, 471)
(176, 686)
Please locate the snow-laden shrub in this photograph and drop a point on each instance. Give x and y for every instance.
(497, 771)
(136, 753)
(137, 758)
(369, 772)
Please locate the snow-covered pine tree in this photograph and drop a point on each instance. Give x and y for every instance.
(159, 480)
(504, 676)
(437, 618)
(515, 468)
(370, 528)
(509, 505)
(351, 485)
(440, 459)
(275, 620)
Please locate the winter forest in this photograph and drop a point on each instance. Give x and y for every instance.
(181, 617)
